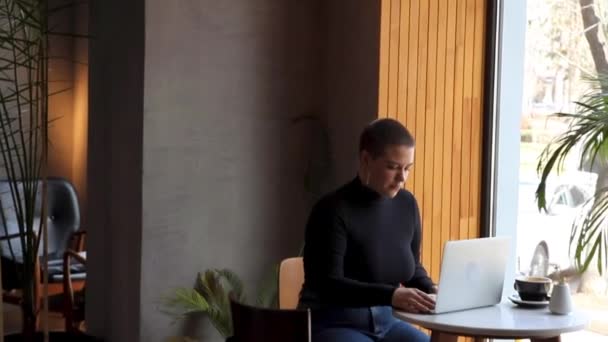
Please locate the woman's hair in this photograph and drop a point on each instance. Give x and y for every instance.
(382, 132)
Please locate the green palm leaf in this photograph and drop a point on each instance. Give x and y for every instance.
(216, 285)
(268, 295)
(210, 296)
(588, 137)
(184, 302)
(235, 284)
(589, 234)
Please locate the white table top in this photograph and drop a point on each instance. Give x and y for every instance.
(502, 320)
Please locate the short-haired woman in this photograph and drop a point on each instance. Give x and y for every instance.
(362, 248)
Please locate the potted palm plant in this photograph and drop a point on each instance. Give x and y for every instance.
(23, 136)
(24, 122)
(210, 297)
(587, 139)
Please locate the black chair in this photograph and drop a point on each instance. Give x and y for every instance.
(252, 324)
(63, 234)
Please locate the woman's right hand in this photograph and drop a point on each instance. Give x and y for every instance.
(412, 300)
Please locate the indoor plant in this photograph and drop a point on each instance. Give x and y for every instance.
(210, 297)
(587, 139)
(24, 123)
(23, 135)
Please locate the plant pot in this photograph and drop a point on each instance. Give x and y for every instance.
(54, 336)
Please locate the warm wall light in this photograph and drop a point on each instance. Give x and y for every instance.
(68, 133)
(81, 122)
(81, 125)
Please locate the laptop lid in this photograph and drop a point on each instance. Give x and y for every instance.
(472, 273)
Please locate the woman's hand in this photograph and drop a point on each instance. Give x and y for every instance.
(412, 300)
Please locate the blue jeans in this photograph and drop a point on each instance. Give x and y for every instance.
(375, 324)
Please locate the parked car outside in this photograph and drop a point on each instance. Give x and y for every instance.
(567, 198)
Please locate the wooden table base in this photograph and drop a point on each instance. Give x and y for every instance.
(550, 339)
(438, 336)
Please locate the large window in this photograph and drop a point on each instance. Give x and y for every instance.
(558, 61)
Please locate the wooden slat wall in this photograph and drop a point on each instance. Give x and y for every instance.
(431, 77)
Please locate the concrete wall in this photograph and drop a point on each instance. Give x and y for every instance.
(195, 159)
(352, 73)
(223, 161)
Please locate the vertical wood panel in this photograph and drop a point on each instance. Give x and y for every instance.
(431, 77)
(480, 10)
(393, 58)
(469, 40)
(412, 75)
(439, 164)
(430, 139)
(403, 61)
(448, 114)
(384, 67)
(457, 123)
(422, 155)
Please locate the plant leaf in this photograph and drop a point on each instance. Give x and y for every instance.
(588, 130)
(184, 302)
(268, 295)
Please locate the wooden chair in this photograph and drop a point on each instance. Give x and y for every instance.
(291, 279)
(57, 282)
(63, 223)
(252, 324)
(73, 306)
(76, 243)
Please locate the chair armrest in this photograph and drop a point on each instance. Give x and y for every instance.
(72, 254)
(68, 290)
(77, 240)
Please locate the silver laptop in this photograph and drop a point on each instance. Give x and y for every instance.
(472, 274)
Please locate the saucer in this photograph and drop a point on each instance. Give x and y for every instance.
(528, 303)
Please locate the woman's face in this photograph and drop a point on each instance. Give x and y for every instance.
(387, 173)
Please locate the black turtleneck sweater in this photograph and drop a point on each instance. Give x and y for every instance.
(359, 246)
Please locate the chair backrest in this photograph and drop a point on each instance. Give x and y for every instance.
(63, 217)
(291, 279)
(253, 324)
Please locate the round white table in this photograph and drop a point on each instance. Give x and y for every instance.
(504, 320)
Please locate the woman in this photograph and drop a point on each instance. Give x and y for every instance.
(362, 248)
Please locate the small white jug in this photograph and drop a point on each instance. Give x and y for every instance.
(561, 301)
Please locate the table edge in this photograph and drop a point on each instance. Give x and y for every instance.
(486, 332)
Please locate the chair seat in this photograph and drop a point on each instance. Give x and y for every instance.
(74, 276)
(55, 271)
(77, 269)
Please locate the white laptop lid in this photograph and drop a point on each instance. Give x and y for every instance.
(472, 273)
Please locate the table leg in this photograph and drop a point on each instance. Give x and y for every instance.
(550, 339)
(437, 336)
